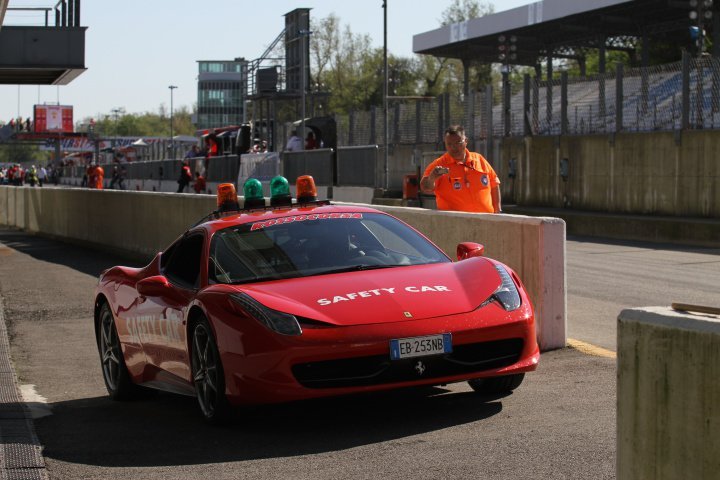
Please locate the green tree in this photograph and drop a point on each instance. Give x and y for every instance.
(141, 124)
(346, 65)
(15, 152)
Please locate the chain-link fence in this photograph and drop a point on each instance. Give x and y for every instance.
(681, 95)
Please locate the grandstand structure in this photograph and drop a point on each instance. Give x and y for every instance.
(682, 95)
(676, 96)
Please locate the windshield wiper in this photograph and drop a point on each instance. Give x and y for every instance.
(356, 268)
(267, 278)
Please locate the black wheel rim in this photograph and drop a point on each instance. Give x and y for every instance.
(109, 350)
(205, 370)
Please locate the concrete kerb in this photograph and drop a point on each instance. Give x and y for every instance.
(20, 449)
(668, 396)
(533, 246)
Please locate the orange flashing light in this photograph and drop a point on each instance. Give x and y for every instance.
(305, 189)
(227, 197)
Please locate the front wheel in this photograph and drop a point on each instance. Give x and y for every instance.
(115, 372)
(504, 384)
(208, 375)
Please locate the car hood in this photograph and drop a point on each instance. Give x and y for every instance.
(382, 296)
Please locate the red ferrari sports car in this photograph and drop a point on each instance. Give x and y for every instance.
(307, 299)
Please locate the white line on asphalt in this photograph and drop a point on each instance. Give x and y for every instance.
(36, 403)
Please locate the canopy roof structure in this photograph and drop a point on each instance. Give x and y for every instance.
(43, 55)
(561, 28)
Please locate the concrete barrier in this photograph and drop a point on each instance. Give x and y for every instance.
(146, 222)
(532, 246)
(668, 414)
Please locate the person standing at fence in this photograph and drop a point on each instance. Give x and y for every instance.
(462, 180)
(42, 175)
(194, 152)
(310, 142)
(121, 178)
(185, 177)
(199, 186)
(97, 178)
(294, 143)
(211, 150)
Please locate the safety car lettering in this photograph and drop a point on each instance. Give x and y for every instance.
(148, 328)
(425, 288)
(380, 291)
(302, 218)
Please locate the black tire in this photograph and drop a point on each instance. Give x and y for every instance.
(491, 385)
(208, 375)
(115, 372)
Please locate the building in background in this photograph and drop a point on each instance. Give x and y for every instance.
(222, 89)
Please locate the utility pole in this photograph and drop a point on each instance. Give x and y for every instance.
(172, 142)
(115, 112)
(304, 34)
(385, 95)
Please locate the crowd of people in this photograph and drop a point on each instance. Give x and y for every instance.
(19, 125)
(18, 176)
(295, 143)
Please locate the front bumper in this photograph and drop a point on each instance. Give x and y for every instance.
(344, 360)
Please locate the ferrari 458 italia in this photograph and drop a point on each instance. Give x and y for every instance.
(303, 300)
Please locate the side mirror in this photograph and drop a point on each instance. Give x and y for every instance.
(153, 286)
(469, 250)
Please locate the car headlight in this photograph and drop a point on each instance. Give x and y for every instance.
(507, 294)
(282, 323)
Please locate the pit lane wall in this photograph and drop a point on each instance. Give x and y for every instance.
(143, 223)
(668, 396)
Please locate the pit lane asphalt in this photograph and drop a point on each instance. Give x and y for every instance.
(559, 424)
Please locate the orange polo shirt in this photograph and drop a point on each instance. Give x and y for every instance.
(466, 188)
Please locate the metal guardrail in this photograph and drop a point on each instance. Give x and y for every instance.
(358, 166)
(349, 166)
(318, 163)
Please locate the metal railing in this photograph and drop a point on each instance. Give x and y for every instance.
(66, 13)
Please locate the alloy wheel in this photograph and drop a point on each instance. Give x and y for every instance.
(205, 370)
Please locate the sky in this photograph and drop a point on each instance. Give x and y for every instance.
(136, 49)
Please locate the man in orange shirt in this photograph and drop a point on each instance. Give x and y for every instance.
(99, 178)
(462, 180)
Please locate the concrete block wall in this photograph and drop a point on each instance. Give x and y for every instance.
(661, 173)
(668, 396)
(146, 222)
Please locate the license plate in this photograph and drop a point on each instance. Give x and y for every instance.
(420, 346)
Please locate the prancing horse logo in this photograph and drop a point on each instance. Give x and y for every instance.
(420, 367)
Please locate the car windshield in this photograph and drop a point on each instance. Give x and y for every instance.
(315, 244)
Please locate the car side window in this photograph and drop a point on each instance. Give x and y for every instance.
(182, 265)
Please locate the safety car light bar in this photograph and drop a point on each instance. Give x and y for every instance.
(227, 200)
(280, 192)
(227, 197)
(305, 189)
